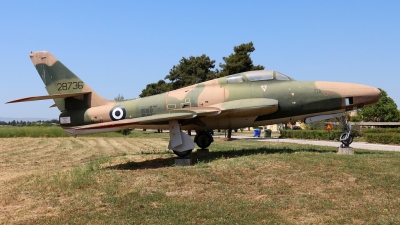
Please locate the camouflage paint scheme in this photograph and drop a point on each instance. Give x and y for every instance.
(228, 102)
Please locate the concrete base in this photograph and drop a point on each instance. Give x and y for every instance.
(202, 152)
(345, 151)
(186, 161)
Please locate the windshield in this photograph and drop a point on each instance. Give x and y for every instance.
(280, 76)
(260, 75)
(236, 78)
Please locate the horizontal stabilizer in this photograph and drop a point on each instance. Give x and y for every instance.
(45, 97)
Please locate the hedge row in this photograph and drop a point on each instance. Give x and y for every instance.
(381, 130)
(311, 134)
(382, 138)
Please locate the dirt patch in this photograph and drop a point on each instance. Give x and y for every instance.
(30, 158)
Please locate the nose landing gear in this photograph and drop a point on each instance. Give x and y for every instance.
(345, 137)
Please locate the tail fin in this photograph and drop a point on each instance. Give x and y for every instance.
(60, 80)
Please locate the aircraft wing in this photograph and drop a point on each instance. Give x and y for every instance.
(127, 123)
(242, 107)
(248, 107)
(245, 107)
(200, 111)
(44, 97)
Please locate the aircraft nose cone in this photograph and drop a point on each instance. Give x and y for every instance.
(358, 95)
(375, 94)
(362, 95)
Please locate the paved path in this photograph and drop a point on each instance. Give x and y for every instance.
(356, 145)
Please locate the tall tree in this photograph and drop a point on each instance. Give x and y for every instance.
(385, 110)
(198, 69)
(191, 70)
(239, 61)
(155, 88)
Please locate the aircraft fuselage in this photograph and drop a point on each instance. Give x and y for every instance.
(252, 98)
(297, 100)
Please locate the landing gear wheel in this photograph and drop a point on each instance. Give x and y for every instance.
(348, 141)
(203, 139)
(346, 138)
(182, 154)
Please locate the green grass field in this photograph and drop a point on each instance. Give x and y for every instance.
(122, 180)
(32, 131)
(50, 131)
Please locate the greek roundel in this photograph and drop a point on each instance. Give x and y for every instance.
(118, 113)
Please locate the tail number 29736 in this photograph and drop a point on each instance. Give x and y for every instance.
(69, 85)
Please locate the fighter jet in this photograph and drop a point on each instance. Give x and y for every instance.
(248, 99)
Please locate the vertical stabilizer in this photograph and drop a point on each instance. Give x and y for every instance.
(60, 80)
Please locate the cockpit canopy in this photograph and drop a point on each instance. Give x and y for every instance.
(257, 75)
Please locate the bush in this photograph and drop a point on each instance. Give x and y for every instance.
(381, 130)
(311, 134)
(382, 138)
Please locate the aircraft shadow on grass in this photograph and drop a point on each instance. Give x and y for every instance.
(200, 157)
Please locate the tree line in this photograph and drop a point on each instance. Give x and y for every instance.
(197, 69)
(21, 123)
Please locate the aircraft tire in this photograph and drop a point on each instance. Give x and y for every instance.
(203, 139)
(182, 154)
(348, 141)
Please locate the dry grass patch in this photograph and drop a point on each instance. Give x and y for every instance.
(97, 180)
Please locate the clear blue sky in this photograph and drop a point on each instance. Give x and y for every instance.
(117, 47)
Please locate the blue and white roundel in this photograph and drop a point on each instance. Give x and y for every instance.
(118, 113)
